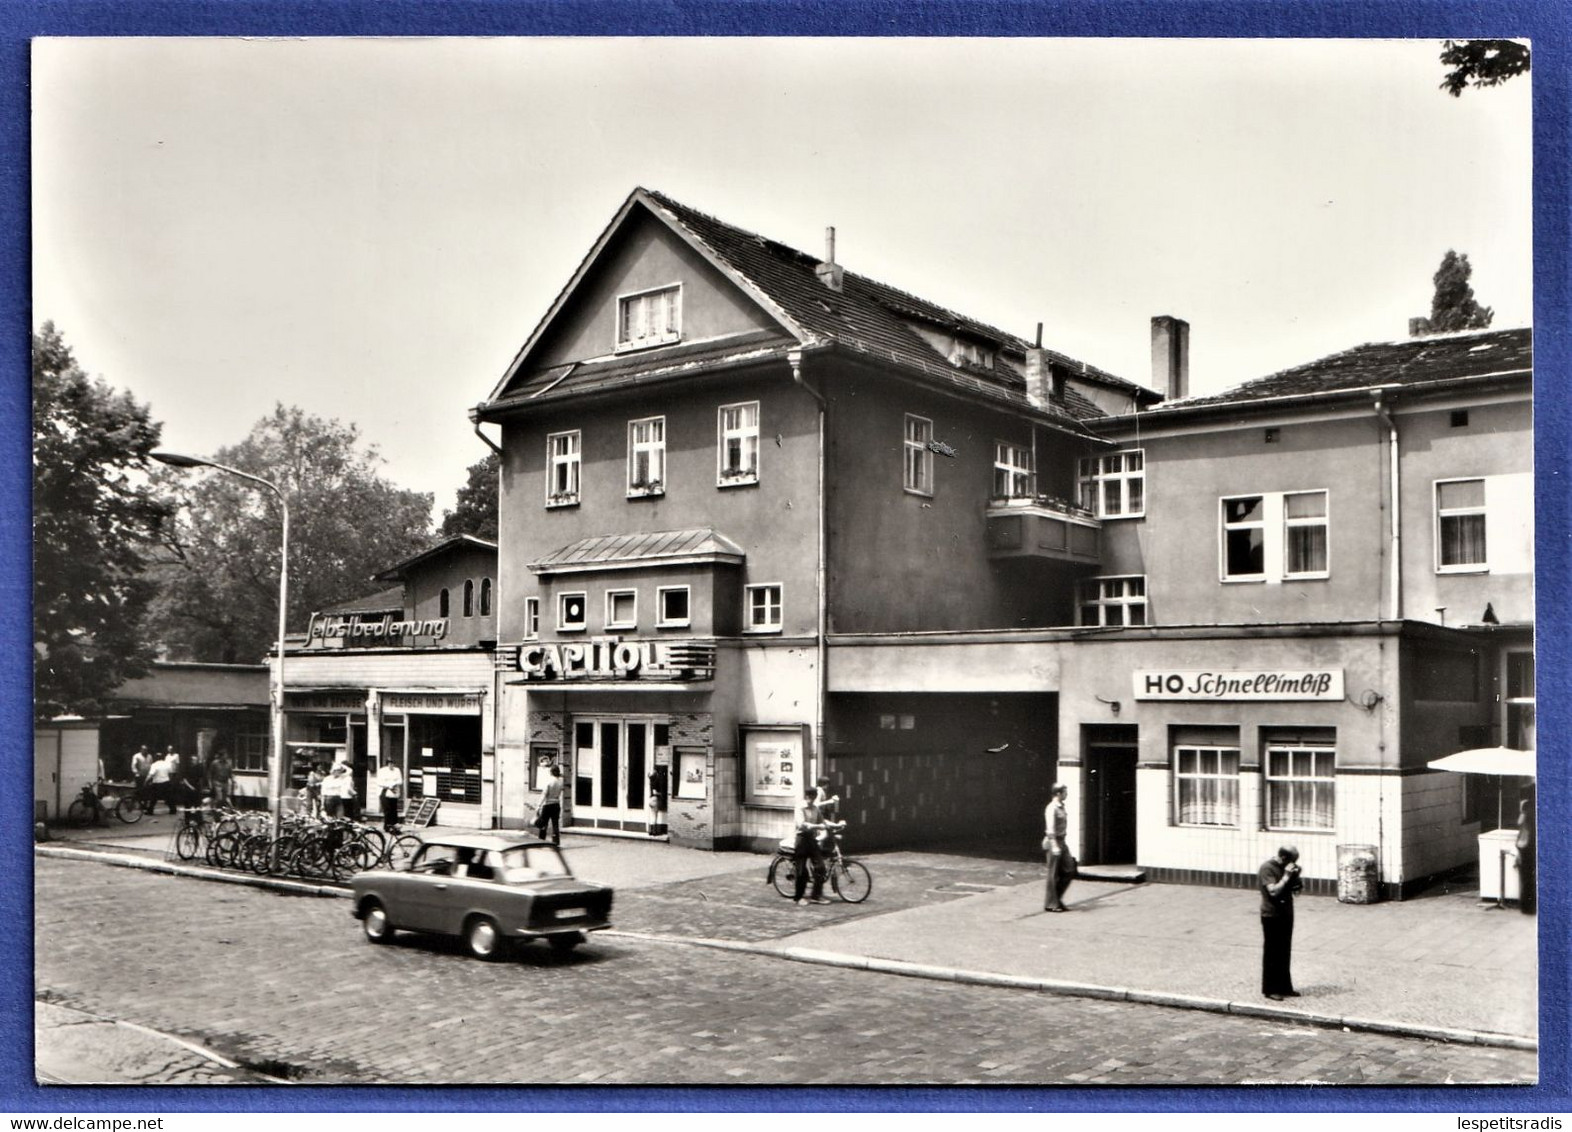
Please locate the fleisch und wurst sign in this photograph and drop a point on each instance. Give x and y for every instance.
(1271, 684)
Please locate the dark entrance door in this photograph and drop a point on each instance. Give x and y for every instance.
(1109, 805)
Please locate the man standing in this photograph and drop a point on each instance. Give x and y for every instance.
(390, 789)
(139, 764)
(549, 811)
(1056, 824)
(1279, 880)
(220, 778)
(805, 849)
(158, 786)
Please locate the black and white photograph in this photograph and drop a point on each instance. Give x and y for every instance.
(767, 562)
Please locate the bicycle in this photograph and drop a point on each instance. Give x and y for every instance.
(95, 803)
(848, 877)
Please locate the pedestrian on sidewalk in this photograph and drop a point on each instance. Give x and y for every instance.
(220, 779)
(805, 849)
(1056, 825)
(313, 789)
(390, 792)
(337, 790)
(139, 764)
(1279, 879)
(157, 788)
(549, 810)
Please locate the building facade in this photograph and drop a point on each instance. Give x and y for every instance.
(763, 519)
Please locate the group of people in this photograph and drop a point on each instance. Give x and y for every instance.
(330, 791)
(177, 781)
(815, 823)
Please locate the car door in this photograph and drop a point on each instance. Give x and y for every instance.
(425, 890)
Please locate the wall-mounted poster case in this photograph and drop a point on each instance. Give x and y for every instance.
(773, 771)
(692, 762)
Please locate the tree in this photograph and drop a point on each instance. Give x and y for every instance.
(1453, 307)
(475, 512)
(1481, 63)
(96, 520)
(219, 599)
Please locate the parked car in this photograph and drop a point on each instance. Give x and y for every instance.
(489, 889)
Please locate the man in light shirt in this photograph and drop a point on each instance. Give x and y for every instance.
(390, 789)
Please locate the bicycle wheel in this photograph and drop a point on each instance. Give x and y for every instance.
(188, 842)
(783, 874)
(128, 809)
(220, 850)
(851, 881)
(348, 859)
(401, 851)
(79, 813)
(375, 841)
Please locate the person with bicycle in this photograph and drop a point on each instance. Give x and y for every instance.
(805, 849)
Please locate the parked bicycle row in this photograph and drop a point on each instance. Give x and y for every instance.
(306, 846)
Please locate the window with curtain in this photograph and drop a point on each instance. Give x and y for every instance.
(652, 318)
(1207, 781)
(1304, 534)
(739, 444)
(1460, 525)
(562, 482)
(647, 456)
(1300, 787)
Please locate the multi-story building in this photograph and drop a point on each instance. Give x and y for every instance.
(762, 519)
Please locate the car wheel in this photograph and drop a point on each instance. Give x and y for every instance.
(378, 928)
(482, 938)
(562, 944)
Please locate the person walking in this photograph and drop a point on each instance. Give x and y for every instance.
(1279, 880)
(549, 809)
(1056, 825)
(158, 788)
(390, 791)
(805, 849)
(221, 778)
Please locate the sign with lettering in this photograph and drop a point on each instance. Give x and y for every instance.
(453, 703)
(369, 629)
(420, 811)
(326, 701)
(1288, 684)
(615, 659)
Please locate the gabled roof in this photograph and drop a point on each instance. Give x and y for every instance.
(1410, 362)
(864, 317)
(658, 548)
(446, 546)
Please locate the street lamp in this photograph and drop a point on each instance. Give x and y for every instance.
(275, 774)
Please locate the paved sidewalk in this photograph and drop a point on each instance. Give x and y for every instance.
(1442, 964)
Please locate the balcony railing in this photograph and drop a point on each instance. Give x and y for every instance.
(1043, 527)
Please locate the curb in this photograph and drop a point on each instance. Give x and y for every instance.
(1093, 990)
(884, 966)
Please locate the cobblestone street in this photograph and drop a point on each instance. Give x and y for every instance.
(287, 986)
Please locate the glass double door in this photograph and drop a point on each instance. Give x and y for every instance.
(612, 758)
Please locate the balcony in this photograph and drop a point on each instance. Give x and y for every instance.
(1045, 528)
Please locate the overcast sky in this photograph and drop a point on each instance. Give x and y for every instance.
(369, 229)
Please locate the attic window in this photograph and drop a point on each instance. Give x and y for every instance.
(970, 353)
(649, 318)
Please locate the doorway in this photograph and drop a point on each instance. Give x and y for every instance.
(612, 759)
(1108, 807)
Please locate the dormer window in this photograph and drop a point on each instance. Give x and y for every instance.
(971, 353)
(649, 318)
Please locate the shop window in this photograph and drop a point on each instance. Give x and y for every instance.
(622, 609)
(469, 597)
(738, 444)
(1520, 700)
(1113, 486)
(1274, 537)
(443, 604)
(673, 607)
(1114, 601)
(1207, 781)
(562, 474)
(650, 318)
(572, 616)
(485, 597)
(763, 611)
(251, 740)
(1014, 475)
(531, 618)
(647, 456)
(1460, 526)
(919, 458)
(1300, 787)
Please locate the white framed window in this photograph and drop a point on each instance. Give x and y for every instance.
(1114, 600)
(672, 607)
(762, 608)
(1300, 787)
(1207, 790)
(1460, 526)
(919, 457)
(737, 444)
(971, 353)
(1014, 476)
(532, 618)
(1305, 525)
(562, 468)
(622, 609)
(649, 318)
(1520, 700)
(647, 456)
(572, 613)
(1113, 486)
(1244, 539)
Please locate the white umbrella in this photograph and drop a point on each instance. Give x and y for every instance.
(1489, 760)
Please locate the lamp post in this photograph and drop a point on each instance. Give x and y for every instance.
(275, 774)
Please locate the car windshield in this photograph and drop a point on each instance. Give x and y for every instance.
(531, 862)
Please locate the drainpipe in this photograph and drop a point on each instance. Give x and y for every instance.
(821, 570)
(1382, 410)
(491, 444)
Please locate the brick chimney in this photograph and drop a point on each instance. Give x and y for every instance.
(829, 272)
(1171, 356)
